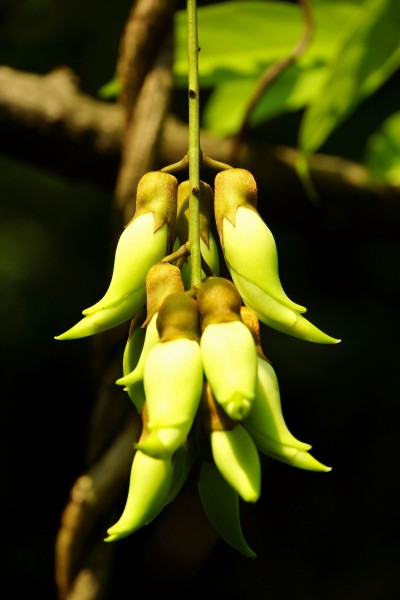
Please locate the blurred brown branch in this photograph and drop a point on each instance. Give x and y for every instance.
(47, 120)
(145, 72)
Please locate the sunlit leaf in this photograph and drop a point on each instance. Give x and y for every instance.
(237, 39)
(296, 87)
(370, 54)
(226, 106)
(383, 152)
(240, 39)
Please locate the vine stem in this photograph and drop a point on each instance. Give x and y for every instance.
(194, 153)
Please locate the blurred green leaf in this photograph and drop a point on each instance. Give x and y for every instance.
(370, 54)
(237, 39)
(297, 86)
(382, 156)
(226, 106)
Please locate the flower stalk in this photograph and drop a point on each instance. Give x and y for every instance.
(194, 143)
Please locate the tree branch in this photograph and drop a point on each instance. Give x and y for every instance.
(143, 130)
(46, 120)
(146, 23)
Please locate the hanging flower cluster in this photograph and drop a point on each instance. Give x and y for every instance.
(193, 363)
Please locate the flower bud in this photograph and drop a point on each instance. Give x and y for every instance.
(265, 417)
(149, 485)
(236, 458)
(299, 327)
(144, 241)
(133, 380)
(208, 246)
(220, 502)
(227, 347)
(248, 244)
(250, 253)
(162, 279)
(133, 349)
(173, 377)
(294, 457)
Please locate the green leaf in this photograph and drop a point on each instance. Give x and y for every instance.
(382, 156)
(225, 109)
(294, 88)
(241, 39)
(237, 39)
(369, 55)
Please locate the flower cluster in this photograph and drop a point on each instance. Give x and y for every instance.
(193, 364)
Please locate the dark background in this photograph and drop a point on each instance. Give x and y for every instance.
(318, 536)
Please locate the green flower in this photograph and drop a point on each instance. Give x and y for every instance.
(132, 352)
(230, 366)
(236, 458)
(173, 377)
(149, 486)
(208, 245)
(251, 256)
(301, 459)
(265, 417)
(133, 378)
(153, 484)
(227, 347)
(144, 241)
(162, 279)
(267, 426)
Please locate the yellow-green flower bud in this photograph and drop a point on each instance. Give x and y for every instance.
(131, 356)
(299, 327)
(173, 380)
(134, 378)
(236, 457)
(301, 459)
(266, 416)
(208, 246)
(173, 377)
(162, 279)
(230, 366)
(220, 502)
(248, 244)
(227, 347)
(149, 486)
(250, 253)
(144, 242)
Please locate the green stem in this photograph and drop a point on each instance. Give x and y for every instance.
(194, 143)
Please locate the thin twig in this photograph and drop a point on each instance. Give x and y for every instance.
(271, 74)
(47, 121)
